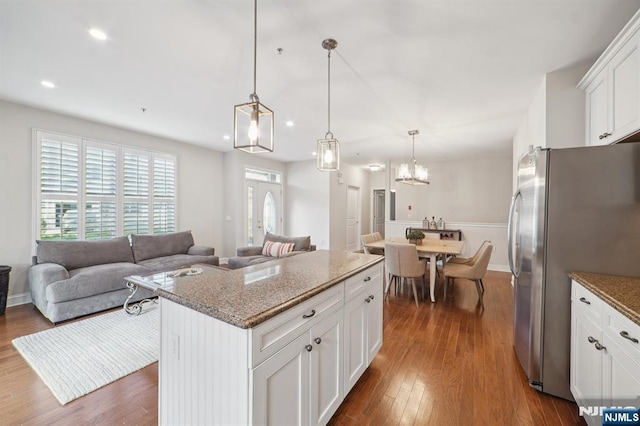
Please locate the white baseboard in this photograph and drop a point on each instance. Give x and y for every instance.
(19, 299)
(499, 268)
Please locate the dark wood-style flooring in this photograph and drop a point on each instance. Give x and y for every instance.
(448, 363)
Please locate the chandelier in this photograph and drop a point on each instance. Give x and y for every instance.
(253, 121)
(412, 173)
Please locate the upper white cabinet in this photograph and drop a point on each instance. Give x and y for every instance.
(612, 89)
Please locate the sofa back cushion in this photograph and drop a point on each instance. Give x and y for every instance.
(80, 254)
(152, 246)
(299, 243)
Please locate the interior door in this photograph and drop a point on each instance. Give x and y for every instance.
(378, 211)
(353, 218)
(264, 210)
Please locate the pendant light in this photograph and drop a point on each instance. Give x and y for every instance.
(412, 173)
(253, 121)
(328, 148)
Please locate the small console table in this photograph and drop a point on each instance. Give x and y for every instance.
(445, 234)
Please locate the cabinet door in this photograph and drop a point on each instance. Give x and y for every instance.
(586, 360)
(374, 321)
(281, 386)
(355, 340)
(597, 110)
(623, 78)
(620, 377)
(326, 369)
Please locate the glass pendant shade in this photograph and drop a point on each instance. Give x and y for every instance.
(412, 173)
(253, 128)
(328, 154)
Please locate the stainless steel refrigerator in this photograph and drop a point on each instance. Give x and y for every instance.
(575, 209)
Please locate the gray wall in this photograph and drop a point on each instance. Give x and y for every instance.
(199, 176)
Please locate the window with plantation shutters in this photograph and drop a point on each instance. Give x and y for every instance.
(94, 190)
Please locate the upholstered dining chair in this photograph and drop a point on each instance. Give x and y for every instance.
(473, 268)
(401, 261)
(370, 238)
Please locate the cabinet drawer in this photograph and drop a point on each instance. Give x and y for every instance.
(617, 325)
(274, 334)
(588, 302)
(355, 284)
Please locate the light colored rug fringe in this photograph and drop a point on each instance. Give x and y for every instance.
(78, 358)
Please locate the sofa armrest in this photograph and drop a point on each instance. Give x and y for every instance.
(249, 251)
(312, 247)
(47, 273)
(201, 251)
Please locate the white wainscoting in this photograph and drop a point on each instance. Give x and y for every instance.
(473, 234)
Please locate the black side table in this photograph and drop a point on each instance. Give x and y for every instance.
(4, 287)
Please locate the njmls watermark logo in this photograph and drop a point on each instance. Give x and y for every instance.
(618, 413)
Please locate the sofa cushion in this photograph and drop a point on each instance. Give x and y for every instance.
(151, 246)
(92, 280)
(80, 254)
(176, 261)
(299, 243)
(275, 249)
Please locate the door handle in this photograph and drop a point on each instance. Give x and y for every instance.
(317, 340)
(604, 135)
(583, 300)
(512, 209)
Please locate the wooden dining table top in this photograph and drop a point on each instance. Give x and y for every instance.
(427, 246)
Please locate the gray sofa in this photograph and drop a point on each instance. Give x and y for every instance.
(252, 255)
(73, 278)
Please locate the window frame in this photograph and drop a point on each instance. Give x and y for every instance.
(81, 198)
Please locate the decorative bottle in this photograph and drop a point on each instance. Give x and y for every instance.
(441, 224)
(425, 223)
(432, 223)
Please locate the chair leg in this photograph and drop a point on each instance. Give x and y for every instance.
(478, 284)
(415, 293)
(482, 286)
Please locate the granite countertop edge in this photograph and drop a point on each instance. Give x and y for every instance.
(267, 314)
(593, 283)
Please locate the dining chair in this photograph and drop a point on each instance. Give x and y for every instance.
(377, 236)
(473, 268)
(402, 262)
(367, 239)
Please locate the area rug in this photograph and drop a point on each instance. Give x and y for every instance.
(78, 358)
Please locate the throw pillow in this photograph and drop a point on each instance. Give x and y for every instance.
(275, 249)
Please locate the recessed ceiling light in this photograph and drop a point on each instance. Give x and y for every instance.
(289, 123)
(375, 167)
(226, 137)
(48, 84)
(314, 153)
(96, 33)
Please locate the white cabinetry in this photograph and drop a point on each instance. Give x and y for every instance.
(288, 370)
(363, 324)
(612, 89)
(605, 354)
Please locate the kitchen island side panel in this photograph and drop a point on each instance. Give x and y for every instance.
(203, 369)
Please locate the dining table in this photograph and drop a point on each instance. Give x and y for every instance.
(427, 248)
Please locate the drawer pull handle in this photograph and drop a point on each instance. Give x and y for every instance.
(313, 312)
(368, 299)
(599, 346)
(591, 339)
(309, 348)
(626, 336)
(583, 300)
(367, 279)
(371, 297)
(317, 340)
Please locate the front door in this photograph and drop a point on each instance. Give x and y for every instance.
(378, 211)
(353, 218)
(264, 210)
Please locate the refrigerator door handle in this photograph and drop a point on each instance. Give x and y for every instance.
(510, 233)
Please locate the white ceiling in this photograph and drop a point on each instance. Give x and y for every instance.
(462, 72)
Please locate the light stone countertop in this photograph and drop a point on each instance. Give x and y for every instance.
(622, 293)
(249, 296)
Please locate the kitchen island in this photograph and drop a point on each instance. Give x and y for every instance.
(277, 343)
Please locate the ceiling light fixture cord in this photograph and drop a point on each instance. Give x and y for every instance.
(254, 95)
(329, 95)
